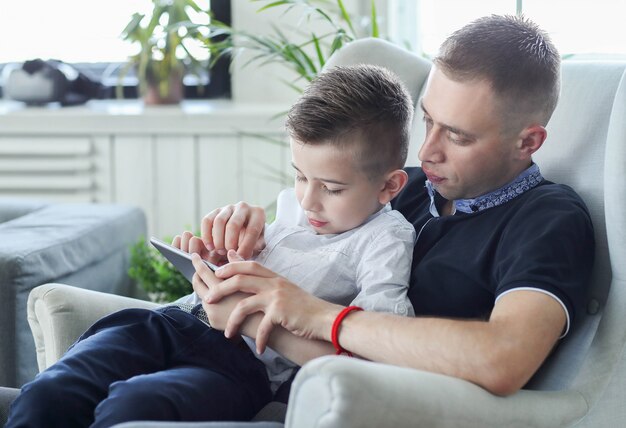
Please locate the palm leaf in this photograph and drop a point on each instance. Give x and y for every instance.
(375, 31)
(346, 17)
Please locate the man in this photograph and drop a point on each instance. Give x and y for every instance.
(502, 256)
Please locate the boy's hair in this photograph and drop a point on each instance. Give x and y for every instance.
(515, 57)
(362, 108)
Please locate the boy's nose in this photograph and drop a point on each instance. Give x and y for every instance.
(309, 200)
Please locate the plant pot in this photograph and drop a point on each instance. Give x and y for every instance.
(169, 92)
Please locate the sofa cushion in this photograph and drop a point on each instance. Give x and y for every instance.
(11, 208)
(62, 238)
(86, 245)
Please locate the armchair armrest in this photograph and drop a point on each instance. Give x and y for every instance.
(345, 392)
(58, 314)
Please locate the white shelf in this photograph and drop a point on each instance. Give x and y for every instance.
(132, 117)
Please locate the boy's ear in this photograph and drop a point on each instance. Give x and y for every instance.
(394, 182)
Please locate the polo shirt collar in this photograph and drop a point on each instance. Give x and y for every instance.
(528, 179)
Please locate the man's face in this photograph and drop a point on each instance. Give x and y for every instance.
(464, 154)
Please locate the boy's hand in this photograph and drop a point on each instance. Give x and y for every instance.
(189, 243)
(236, 227)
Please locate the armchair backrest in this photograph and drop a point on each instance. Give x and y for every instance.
(585, 149)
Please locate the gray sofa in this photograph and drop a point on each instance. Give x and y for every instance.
(582, 384)
(80, 244)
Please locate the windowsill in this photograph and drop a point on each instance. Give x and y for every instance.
(133, 117)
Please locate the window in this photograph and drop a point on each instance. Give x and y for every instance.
(86, 34)
(581, 28)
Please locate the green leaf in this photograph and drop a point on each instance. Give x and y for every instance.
(375, 31)
(346, 17)
(273, 4)
(318, 50)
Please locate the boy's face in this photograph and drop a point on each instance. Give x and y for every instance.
(464, 154)
(333, 193)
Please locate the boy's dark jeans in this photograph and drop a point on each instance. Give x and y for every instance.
(140, 364)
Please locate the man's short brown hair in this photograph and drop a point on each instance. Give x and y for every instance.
(362, 108)
(515, 57)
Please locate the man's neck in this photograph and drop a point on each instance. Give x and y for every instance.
(446, 208)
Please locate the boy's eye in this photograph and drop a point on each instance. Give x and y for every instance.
(300, 178)
(330, 191)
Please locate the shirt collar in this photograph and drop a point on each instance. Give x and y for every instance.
(528, 179)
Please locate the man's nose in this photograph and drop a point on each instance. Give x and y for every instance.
(432, 147)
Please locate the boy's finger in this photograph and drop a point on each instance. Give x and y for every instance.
(219, 227)
(234, 257)
(184, 240)
(235, 225)
(253, 232)
(206, 229)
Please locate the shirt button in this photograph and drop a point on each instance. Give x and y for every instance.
(401, 309)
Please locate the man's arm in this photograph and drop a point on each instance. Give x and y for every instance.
(296, 348)
(500, 354)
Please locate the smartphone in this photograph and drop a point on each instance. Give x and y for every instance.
(180, 259)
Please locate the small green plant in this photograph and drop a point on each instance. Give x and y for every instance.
(161, 280)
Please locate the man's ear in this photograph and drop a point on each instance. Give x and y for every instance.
(394, 182)
(530, 140)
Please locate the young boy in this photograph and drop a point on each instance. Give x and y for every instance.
(349, 140)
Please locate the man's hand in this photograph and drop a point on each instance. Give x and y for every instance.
(203, 281)
(236, 227)
(281, 302)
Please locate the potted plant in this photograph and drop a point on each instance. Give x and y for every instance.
(299, 49)
(165, 39)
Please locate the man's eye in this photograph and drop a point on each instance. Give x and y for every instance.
(456, 139)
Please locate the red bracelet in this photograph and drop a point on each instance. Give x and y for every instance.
(334, 334)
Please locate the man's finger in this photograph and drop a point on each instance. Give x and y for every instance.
(199, 287)
(244, 268)
(263, 333)
(247, 306)
(245, 284)
(203, 271)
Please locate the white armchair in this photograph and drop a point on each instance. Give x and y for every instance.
(583, 382)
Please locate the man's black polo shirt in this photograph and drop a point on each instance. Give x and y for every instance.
(541, 239)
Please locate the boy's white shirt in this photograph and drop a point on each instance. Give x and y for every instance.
(368, 266)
